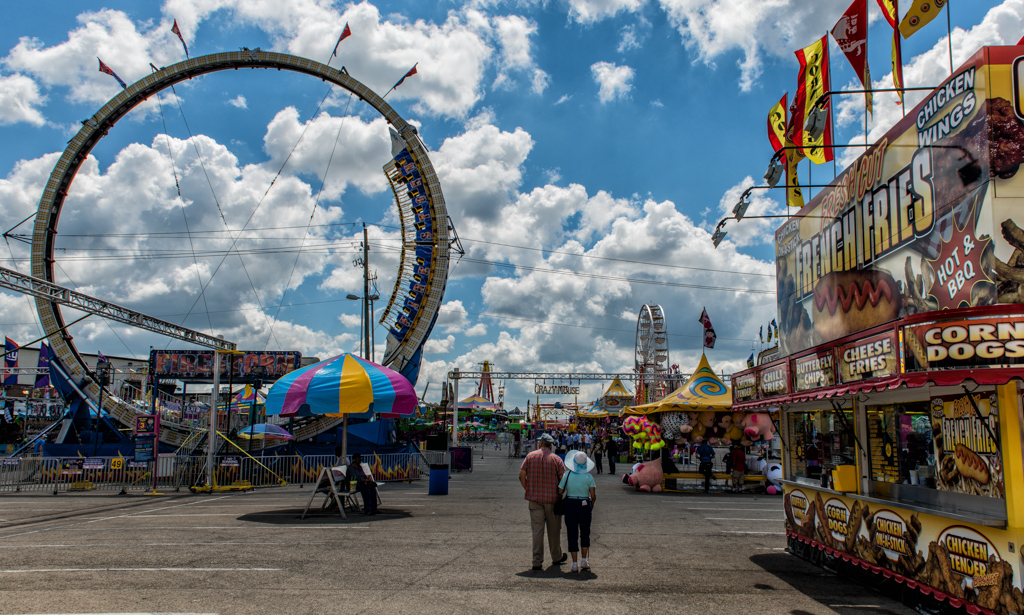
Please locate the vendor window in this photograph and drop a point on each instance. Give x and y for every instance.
(819, 441)
(900, 444)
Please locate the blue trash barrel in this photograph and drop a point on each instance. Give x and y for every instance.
(438, 480)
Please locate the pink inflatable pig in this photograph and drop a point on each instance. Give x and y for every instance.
(647, 477)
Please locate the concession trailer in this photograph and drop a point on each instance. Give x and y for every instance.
(901, 319)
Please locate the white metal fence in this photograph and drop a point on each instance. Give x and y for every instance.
(58, 475)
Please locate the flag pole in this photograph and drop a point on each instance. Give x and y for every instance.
(949, 38)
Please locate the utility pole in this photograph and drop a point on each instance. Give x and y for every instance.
(367, 349)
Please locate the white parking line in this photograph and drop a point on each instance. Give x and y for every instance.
(153, 544)
(745, 509)
(741, 519)
(21, 571)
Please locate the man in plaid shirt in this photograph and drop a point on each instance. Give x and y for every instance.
(539, 475)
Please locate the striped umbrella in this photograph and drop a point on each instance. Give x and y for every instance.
(345, 384)
(265, 431)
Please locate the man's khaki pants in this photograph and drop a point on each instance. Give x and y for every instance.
(541, 515)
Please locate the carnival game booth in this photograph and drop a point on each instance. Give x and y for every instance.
(701, 410)
(902, 334)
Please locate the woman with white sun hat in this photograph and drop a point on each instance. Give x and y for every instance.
(578, 488)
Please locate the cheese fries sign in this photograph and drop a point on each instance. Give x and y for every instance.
(964, 430)
(929, 218)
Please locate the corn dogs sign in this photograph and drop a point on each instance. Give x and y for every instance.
(965, 344)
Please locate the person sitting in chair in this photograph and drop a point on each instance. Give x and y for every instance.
(365, 484)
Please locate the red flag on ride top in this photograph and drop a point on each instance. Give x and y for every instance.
(709, 331)
(412, 71)
(175, 29)
(106, 69)
(344, 34)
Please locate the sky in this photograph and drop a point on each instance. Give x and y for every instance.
(586, 151)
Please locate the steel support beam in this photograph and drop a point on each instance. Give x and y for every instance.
(48, 291)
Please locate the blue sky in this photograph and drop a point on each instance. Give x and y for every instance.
(586, 149)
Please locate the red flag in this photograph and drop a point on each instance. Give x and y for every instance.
(851, 34)
(891, 12)
(10, 362)
(412, 71)
(175, 29)
(106, 69)
(709, 332)
(344, 34)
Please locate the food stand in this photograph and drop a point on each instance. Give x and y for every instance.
(901, 317)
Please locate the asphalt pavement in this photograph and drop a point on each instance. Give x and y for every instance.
(465, 552)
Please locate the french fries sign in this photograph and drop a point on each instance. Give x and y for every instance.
(927, 219)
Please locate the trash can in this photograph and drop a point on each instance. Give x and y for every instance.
(438, 480)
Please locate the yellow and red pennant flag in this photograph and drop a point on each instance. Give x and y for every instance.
(783, 147)
(777, 127)
(812, 83)
(891, 12)
(851, 34)
(920, 14)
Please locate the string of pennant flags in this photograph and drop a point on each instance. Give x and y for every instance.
(345, 33)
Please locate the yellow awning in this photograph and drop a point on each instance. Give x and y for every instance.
(703, 392)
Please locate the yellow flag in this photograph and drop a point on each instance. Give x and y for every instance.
(794, 193)
(919, 15)
(891, 12)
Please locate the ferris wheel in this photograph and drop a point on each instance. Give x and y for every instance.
(423, 265)
(651, 361)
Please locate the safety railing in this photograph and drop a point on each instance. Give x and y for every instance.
(174, 472)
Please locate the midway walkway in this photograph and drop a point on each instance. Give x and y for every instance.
(467, 552)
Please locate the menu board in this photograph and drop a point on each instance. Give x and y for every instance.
(773, 380)
(965, 344)
(744, 386)
(814, 371)
(873, 357)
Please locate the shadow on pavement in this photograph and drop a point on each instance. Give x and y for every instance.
(558, 572)
(292, 516)
(830, 590)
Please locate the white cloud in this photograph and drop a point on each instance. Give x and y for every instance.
(540, 81)
(614, 82)
(589, 11)
(628, 39)
(355, 148)
(749, 231)
(476, 330)
(239, 102)
(451, 56)
(108, 34)
(713, 28)
(437, 345)
(20, 101)
(563, 99)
